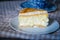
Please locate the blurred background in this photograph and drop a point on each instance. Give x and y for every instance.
(57, 17)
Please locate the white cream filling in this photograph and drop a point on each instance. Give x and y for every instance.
(42, 20)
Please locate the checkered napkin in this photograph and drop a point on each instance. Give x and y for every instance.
(8, 10)
(40, 4)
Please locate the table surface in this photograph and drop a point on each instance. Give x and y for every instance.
(9, 10)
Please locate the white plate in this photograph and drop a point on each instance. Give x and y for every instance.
(53, 26)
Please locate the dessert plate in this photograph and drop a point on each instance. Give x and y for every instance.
(53, 26)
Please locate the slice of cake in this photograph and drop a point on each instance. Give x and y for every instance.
(29, 17)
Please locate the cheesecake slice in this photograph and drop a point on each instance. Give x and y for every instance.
(30, 17)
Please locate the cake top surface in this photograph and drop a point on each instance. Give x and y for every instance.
(32, 11)
(25, 10)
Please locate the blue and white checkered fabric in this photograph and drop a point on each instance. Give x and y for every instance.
(9, 10)
(40, 4)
